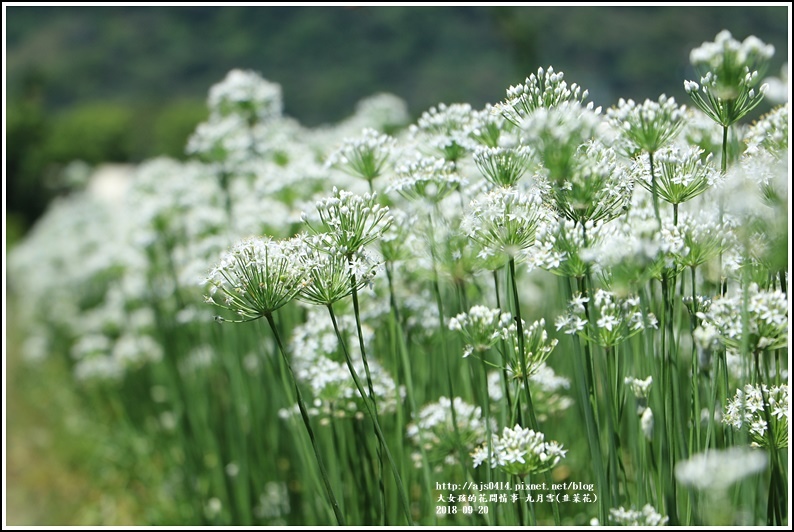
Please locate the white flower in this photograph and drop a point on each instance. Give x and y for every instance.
(520, 451)
(648, 516)
(747, 408)
(504, 223)
(256, 277)
(650, 125)
(719, 469)
(246, 93)
(640, 388)
(349, 221)
(366, 156)
(546, 89)
(441, 437)
(481, 327)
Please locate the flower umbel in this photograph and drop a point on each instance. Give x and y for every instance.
(427, 178)
(332, 271)
(682, 174)
(767, 320)
(504, 223)
(352, 220)
(442, 437)
(616, 318)
(256, 277)
(366, 156)
(502, 167)
(545, 89)
(648, 516)
(519, 451)
(730, 73)
(747, 408)
(481, 327)
(719, 469)
(649, 125)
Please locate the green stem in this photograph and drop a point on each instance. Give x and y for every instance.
(305, 415)
(407, 372)
(533, 422)
(584, 387)
(723, 285)
(373, 417)
(694, 445)
(654, 191)
(724, 161)
(777, 489)
(363, 350)
(505, 377)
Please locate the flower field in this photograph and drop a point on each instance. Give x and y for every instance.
(541, 312)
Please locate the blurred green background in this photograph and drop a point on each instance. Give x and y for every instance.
(123, 84)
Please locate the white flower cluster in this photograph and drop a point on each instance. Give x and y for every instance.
(556, 134)
(519, 451)
(767, 320)
(616, 318)
(383, 112)
(681, 173)
(728, 54)
(502, 167)
(352, 221)
(719, 469)
(427, 178)
(504, 223)
(365, 156)
(726, 92)
(558, 248)
(330, 272)
(537, 348)
(598, 187)
(648, 516)
(770, 132)
(749, 407)
(650, 125)
(697, 239)
(545, 89)
(488, 128)
(481, 327)
(447, 129)
(246, 93)
(256, 277)
(639, 387)
(442, 438)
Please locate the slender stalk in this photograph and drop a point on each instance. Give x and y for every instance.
(533, 422)
(610, 390)
(654, 191)
(505, 378)
(694, 446)
(363, 350)
(407, 372)
(724, 161)
(378, 432)
(305, 415)
(777, 488)
(584, 386)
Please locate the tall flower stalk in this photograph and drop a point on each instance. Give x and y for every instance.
(253, 280)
